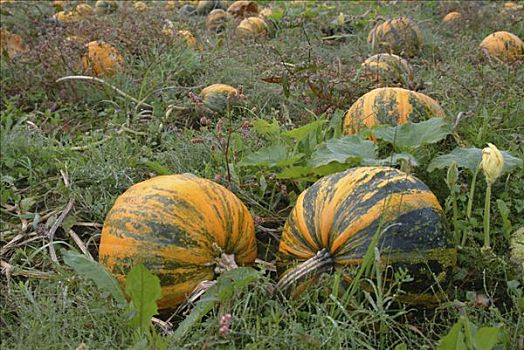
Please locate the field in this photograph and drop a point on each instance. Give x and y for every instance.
(73, 139)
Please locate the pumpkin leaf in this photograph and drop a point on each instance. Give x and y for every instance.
(454, 340)
(266, 157)
(412, 135)
(95, 272)
(393, 159)
(298, 134)
(144, 290)
(296, 172)
(348, 148)
(470, 158)
(267, 129)
(156, 167)
(486, 338)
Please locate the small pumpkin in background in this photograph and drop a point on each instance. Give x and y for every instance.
(102, 59)
(220, 97)
(335, 220)
(106, 6)
(400, 36)
(390, 106)
(503, 46)
(216, 20)
(11, 44)
(67, 16)
(183, 228)
(252, 27)
(188, 37)
(243, 9)
(386, 68)
(84, 10)
(265, 12)
(140, 6)
(452, 18)
(204, 7)
(170, 5)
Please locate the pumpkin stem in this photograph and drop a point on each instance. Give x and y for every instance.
(226, 262)
(314, 265)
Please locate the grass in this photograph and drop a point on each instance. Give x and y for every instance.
(82, 141)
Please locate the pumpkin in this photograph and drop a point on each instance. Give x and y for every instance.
(106, 6)
(452, 18)
(400, 36)
(179, 227)
(219, 97)
(243, 8)
(216, 20)
(170, 5)
(188, 38)
(389, 105)
(252, 27)
(512, 6)
(11, 44)
(503, 46)
(67, 16)
(386, 67)
(204, 7)
(266, 12)
(102, 59)
(84, 10)
(140, 6)
(335, 220)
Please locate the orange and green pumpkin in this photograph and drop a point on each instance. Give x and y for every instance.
(102, 59)
(11, 44)
(106, 6)
(400, 36)
(504, 46)
(243, 8)
(452, 18)
(387, 68)
(335, 220)
(219, 97)
(216, 20)
(252, 27)
(391, 106)
(178, 226)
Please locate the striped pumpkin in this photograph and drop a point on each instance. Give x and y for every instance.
(338, 216)
(386, 67)
(178, 226)
(504, 46)
(389, 105)
(400, 36)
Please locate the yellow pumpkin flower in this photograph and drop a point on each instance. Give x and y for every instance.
(492, 163)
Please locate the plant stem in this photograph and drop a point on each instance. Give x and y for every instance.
(486, 216)
(456, 235)
(472, 193)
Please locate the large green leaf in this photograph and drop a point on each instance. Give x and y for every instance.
(470, 158)
(144, 290)
(454, 340)
(267, 129)
(302, 132)
(486, 338)
(96, 272)
(343, 150)
(266, 157)
(412, 135)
